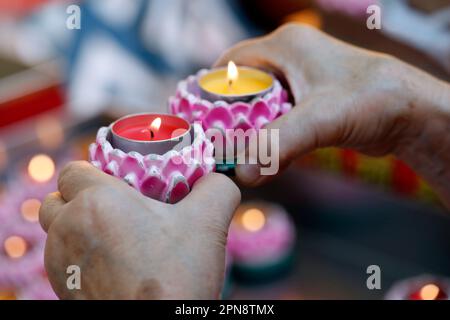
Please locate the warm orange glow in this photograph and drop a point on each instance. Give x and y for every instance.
(308, 16)
(30, 209)
(41, 168)
(3, 156)
(50, 132)
(429, 292)
(15, 247)
(253, 220)
(156, 124)
(7, 295)
(232, 72)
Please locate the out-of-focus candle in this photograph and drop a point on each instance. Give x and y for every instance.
(260, 240)
(429, 291)
(149, 132)
(234, 83)
(426, 287)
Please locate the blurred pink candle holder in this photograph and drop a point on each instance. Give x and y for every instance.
(261, 240)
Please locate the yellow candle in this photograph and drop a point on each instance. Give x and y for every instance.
(236, 81)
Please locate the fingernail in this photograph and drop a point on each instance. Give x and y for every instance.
(248, 174)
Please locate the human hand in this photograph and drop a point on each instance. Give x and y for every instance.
(349, 97)
(129, 246)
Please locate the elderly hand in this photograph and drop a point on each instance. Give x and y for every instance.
(354, 98)
(132, 247)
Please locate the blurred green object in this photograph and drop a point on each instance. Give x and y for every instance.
(9, 67)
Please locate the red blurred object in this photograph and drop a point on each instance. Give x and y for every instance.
(349, 161)
(404, 179)
(31, 104)
(419, 294)
(19, 7)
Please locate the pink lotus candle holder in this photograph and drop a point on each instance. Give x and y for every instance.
(227, 111)
(261, 240)
(167, 177)
(189, 104)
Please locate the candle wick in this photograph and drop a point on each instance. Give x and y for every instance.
(230, 84)
(152, 135)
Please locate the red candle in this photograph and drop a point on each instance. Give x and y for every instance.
(149, 132)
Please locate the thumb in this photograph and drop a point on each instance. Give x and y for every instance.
(300, 131)
(213, 196)
(252, 53)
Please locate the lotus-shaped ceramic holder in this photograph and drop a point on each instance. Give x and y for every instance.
(188, 103)
(168, 177)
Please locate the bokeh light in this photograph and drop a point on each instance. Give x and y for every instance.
(41, 168)
(253, 220)
(30, 209)
(15, 246)
(49, 132)
(429, 292)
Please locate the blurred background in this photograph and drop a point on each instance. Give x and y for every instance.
(58, 86)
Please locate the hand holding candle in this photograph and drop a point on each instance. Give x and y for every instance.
(133, 237)
(227, 99)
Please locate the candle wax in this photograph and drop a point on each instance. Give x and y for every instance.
(144, 134)
(138, 127)
(249, 81)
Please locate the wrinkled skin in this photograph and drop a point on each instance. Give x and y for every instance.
(350, 97)
(129, 246)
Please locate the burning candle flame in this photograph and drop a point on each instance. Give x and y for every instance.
(253, 220)
(232, 73)
(429, 292)
(154, 126)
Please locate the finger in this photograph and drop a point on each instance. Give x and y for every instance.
(51, 207)
(217, 197)
(300, 131)
(250, 53)
(79, 175)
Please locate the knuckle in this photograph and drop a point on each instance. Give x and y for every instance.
(70, 170)
(228, 184)
(292, 29)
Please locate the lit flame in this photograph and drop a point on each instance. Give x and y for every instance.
(155, 124)
(429, 292)
(253, 220)
(41, 168)
(15, 246)
(232, 72)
